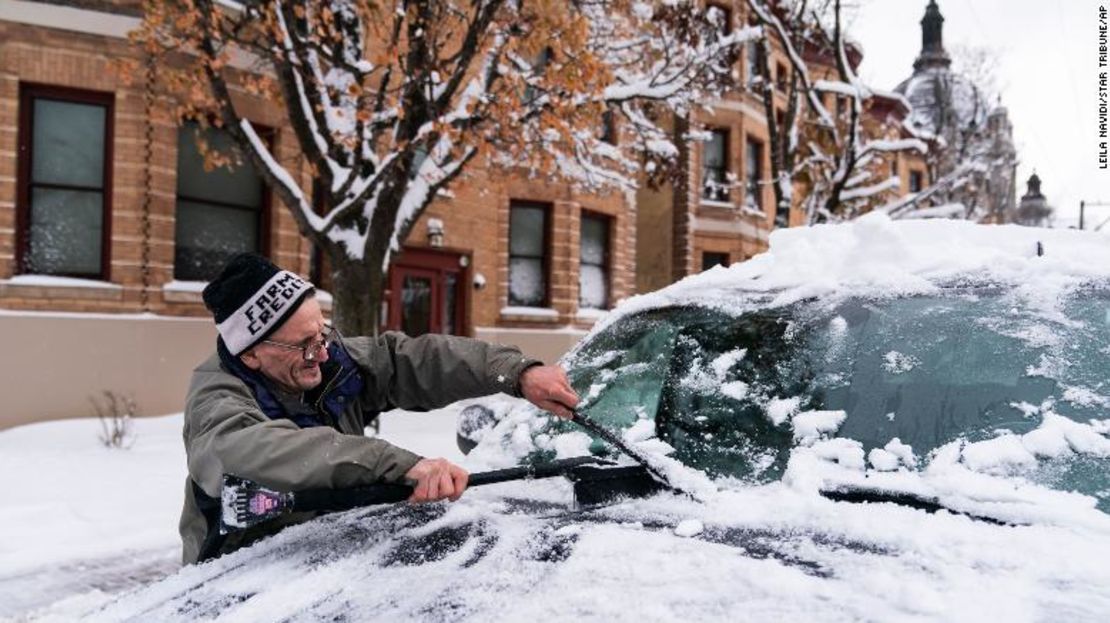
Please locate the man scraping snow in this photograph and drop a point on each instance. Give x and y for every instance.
(285, 401)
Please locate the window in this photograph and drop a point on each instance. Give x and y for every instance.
(593, 269)
(720, 17)
(915, 181)
(894, 167)
(709, 259)
(219, 212)
(539, 68)
(319, 268)
(753, 191)
(782, 77)
(528, 250)
(755, 63)
(608, 132)
(419, 155)
(715, 166)
(64, 181)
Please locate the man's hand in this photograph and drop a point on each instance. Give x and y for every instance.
(436, 479)
(547, 387)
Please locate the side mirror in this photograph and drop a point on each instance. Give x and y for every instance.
(474, 422)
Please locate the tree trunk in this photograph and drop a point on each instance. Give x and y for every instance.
(357, 295)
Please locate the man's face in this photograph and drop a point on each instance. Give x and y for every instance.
(287, 367)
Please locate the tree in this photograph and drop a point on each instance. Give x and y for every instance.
(833, 156)
(391, 101)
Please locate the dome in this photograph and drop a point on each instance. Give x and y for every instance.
(942, 100)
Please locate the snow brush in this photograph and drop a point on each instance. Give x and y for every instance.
(245, 503)
(645, 462)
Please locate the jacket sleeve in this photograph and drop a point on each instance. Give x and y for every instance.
(432, 371)
(226, 433)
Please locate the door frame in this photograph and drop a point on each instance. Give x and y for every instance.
(441, 262)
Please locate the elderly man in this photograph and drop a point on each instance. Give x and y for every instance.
(285, 401)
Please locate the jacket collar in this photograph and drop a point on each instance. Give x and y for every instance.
(341, 383)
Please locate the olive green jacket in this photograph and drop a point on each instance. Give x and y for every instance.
(226, 430)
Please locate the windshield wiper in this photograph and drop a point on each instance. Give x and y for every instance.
(863, 495)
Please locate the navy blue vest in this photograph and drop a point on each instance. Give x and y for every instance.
(342, 383)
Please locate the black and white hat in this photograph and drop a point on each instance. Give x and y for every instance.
(251, 298)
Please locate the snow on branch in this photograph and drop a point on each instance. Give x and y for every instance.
(866, 192)
(895, 145)
(281, 175)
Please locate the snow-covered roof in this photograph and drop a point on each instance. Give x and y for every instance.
(875, 256)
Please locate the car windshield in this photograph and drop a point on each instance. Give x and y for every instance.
(968, 365)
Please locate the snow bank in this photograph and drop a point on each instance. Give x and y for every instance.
(67, 496)
(80, 517)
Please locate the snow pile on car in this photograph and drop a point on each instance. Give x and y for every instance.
(877, 256)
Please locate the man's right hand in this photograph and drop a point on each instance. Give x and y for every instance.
(436, 479)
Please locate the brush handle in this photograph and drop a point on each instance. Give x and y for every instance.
(370, 495)
(346, 499)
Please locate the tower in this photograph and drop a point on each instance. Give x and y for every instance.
(933, 54)
(971, 155)
(1034, 209)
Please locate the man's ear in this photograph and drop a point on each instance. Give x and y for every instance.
(251, 360)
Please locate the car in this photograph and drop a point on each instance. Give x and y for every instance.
(877, 420)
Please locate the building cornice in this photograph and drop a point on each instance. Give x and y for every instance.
(68, 18)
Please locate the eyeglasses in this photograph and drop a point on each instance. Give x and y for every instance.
(312, 350)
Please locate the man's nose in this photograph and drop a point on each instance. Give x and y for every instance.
(322, 355)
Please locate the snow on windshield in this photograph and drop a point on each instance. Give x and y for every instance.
(875, 255)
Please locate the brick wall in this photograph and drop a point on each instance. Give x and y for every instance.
(475, 213)
(140, 216)
(476, 220)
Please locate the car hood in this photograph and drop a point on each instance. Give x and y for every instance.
(522, 551)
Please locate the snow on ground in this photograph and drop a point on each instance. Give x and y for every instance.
(77, 516)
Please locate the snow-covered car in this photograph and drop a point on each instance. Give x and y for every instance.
(996, 377)
(950, 376)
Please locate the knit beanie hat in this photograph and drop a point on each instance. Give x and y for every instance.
(252, 298)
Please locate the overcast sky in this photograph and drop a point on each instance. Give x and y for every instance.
(1047, 75)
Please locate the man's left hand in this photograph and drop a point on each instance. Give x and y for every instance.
(547, 387)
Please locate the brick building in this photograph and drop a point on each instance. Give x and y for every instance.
(723, 209)
(109, 224)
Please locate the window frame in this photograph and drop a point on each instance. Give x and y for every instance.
(919, 177)
(607, 261)
(725, 166)
(753, 67)
(782, 77)
(726, 11)
(724, 256)
(609, 127)
(749, 184)
(265, 219)
(545, 259)
(538, 66)
(28, 93)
